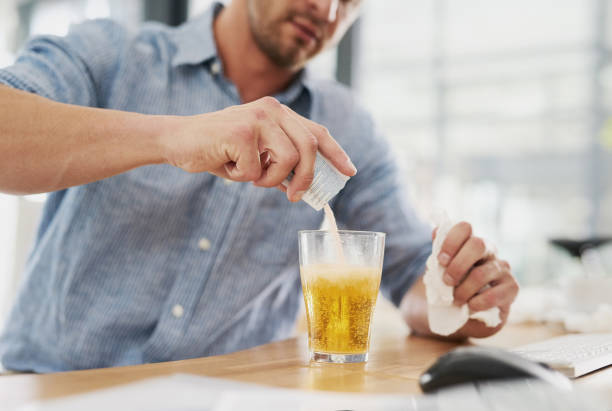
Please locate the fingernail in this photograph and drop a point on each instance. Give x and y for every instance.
(352, 166)
(444, 258)
(448, 279)
(298, 195)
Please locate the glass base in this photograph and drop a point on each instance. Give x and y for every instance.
(337, 358)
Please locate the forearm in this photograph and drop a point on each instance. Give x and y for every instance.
(48, 146)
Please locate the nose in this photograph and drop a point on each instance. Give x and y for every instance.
(325, 10)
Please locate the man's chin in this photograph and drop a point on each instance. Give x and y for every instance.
(299, 64)
(292, 61)
(305, 54)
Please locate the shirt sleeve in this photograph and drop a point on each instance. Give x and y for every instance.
(374, 200)
(75, 69)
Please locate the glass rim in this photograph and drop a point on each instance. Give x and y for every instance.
(346, 232)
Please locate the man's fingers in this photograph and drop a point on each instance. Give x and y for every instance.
(246, 165)
(283, 155)
(329, 147)
(478, 329)
(478, 278)
(454, 240)
(288, 142)
(472, 251)
(265, 159)
(306, 144)
(501, 294)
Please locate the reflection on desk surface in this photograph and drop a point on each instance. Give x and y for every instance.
(188, 392)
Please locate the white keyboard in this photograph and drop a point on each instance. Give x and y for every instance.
(573, 355)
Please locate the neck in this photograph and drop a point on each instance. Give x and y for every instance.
(251, 71)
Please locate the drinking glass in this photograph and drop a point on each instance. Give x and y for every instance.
(340, 279)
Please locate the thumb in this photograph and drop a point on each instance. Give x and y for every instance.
(247, 165)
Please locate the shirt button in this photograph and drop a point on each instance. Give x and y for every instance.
(204, 244)
(215, 67)
(178, 311)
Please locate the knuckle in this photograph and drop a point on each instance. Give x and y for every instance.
(505, 265)
(479, 275)
(515, 287)
(319, 131)
(507, 276)
(260, 113)
(312, 145)
(324, 131)
(292, 158)
(270, 101)
(478, 244)
(465, 227)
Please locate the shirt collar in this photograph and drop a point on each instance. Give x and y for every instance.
(195, 40)
(294, 89)
(195, 43)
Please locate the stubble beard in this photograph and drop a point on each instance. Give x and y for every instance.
(269, 42)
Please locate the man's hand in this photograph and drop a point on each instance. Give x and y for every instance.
(69, 145)
(262, 142)
(480, 279)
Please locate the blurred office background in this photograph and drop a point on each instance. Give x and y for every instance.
(497, 109)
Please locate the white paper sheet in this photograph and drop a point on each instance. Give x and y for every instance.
(184, 392)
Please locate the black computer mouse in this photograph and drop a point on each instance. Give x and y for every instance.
(475, 364)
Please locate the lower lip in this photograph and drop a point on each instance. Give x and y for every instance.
(303, 33)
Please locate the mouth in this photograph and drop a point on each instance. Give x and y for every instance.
(306, 30)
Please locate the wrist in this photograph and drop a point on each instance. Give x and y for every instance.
(159, 131)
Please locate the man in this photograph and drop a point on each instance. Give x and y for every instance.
(138, 261)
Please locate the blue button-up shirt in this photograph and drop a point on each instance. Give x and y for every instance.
(158, 264)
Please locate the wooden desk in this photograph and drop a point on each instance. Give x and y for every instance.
(396, 361)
